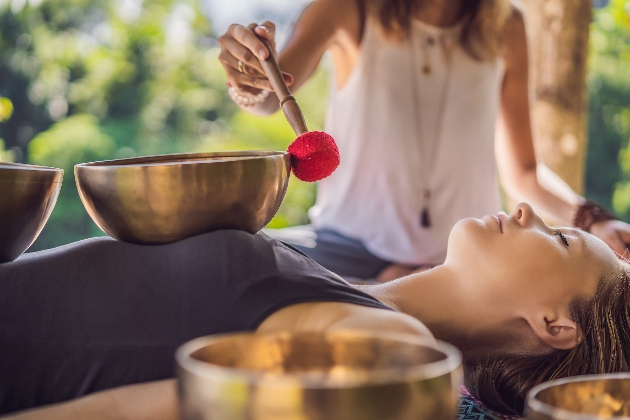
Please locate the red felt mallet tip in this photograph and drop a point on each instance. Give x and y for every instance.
(314, 156)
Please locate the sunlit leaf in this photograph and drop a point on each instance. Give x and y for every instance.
(6, 109)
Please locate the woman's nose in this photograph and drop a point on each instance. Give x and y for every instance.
(522, 214)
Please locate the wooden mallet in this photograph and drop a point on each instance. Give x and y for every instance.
(314, 154)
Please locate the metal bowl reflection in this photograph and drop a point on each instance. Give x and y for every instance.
(588, 397)
(28, 194)
(162, 199)
(318, 376)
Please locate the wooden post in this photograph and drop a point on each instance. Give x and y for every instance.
(558, 46)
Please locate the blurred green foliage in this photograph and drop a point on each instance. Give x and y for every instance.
(74, 139)
(93, 80)
(6, 108)
(608, 157)
(5, 155)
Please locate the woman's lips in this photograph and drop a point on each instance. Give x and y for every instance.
(499, 221)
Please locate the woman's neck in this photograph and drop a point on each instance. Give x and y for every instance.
(438, 12)
(441, 300)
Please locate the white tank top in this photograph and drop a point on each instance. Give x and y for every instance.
(375, 195)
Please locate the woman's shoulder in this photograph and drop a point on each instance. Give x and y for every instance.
(333, 316)
(380, 320)
(345, 17)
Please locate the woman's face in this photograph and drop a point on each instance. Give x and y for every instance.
(521, 260)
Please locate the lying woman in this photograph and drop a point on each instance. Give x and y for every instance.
(523, 301)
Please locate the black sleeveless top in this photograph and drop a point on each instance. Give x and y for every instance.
(273, 275)
(101, 313)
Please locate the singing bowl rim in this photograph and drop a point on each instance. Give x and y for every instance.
(215, 170)
(449, 364)
(560, 413)
(23, 169)
(172, 159)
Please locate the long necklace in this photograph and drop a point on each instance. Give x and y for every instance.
(429, 161)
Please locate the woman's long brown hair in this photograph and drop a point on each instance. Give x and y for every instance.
(483, 22)
(502, 381)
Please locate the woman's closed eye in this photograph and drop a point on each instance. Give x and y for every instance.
(557, 232)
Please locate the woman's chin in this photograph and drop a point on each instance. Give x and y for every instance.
(465, 234)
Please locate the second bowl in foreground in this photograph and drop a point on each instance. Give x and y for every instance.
(162, 199)
(318, 376)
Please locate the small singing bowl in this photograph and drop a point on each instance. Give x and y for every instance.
(588, 397)
(162, 199)
(318, 376)
(28, 194)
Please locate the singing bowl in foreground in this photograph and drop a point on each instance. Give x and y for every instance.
(588, 397)
(318, 376)
(28, 194)
(162, 199)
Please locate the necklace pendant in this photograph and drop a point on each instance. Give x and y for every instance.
(425, 220)
(426, 69)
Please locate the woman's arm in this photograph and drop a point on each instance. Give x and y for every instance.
(324, 24)
(516, 158)
(149, 401)
(522, 177)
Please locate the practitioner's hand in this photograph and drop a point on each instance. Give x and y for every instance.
(240, 45)
(615, 233)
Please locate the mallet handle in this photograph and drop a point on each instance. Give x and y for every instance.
(291, 109)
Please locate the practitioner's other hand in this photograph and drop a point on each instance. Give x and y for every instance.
(241, 51)
(615, 233)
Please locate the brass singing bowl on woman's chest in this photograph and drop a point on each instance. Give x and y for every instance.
(162, 199)
(342, 375)
(28, 194)
(589, 397)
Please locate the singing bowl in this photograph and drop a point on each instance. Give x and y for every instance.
(318, 376)
(588, 397)
(28, 194)
(162, 199)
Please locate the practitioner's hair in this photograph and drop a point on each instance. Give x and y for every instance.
(483, 22)
(502, 381)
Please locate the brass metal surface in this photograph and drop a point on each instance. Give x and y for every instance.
(162, 199)
(28, 194)
(587, 397)
(340, 375)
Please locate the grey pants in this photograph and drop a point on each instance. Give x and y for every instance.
(345, 256)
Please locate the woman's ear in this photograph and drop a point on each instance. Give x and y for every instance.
(557, 331)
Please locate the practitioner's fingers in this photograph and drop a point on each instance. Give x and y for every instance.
(240, 60)
(267, 30)
(232, 51)
(244, 83)
(618, 246)
(244, 36)
(624, 235)
(614, 233)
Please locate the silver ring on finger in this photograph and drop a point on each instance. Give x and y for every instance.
(240, 66)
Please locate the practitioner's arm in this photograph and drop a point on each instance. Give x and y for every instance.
(522, 176)
(150, 401)
(324, 24)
